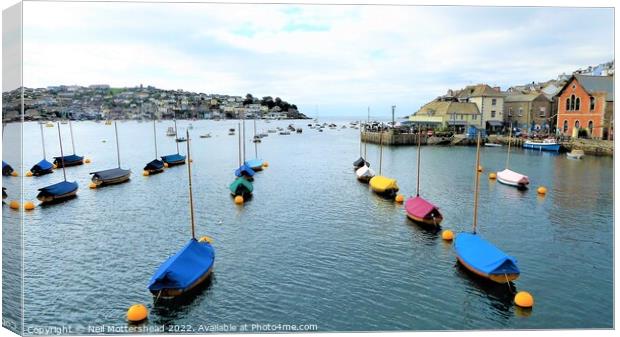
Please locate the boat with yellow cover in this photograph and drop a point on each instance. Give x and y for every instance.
(384, 186)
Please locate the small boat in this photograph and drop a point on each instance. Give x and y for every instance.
(575, 154)
(242, 187)
(359, 163)
(59, 191)
(284, 133)
(480, 256)
(112, 176)
(70, 160)
(492, 145)
(155, 166)
(384, 186)
(43, 167)
(108, 122)
(364, 174)
(180, 140)
(245, 171)
(7, 170)
(190, 266)
(4, 195)
(255, 164)
(206, 135)
(256, 139)
(173, 159)
(171, 132)
(418, 209)
(548, 144)
(271, 131)
(508, 177)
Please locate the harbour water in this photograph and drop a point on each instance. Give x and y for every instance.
(313, 246)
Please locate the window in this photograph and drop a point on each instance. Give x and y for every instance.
(492, 113)
(572, 102)
(565, 128)
(590, 126)
(577, 103)
(520, 112)
(592, 103)
(577, 124)
(567, 104)
(494, 101)
(474, 117)
(510, 111)
(542, 112)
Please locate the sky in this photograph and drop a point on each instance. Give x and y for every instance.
(331, 60)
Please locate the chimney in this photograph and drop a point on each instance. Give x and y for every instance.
(498, 89)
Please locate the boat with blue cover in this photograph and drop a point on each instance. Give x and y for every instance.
(177, 158)
(190, 266)
(59, 191)
(111, 176)
(254, 164)
(7, 170)
(242, 187)
(70, 160)
(154, 166)
(478, 255)
(546, 145)
(245, 171)
(43, 167)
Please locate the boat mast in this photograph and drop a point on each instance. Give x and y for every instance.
(509, 141)
(62, 156)
(176, 133)
(239, 132)
(367, 121)
(72, 142)
(417, 191)
(42, 140)
(243, 136)
(155, 135)
(191, 199)
(477, 186)
(380, 151)
(254, 140)
(360, 122)
(118, 153)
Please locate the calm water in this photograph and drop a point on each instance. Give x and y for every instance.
(313, 246)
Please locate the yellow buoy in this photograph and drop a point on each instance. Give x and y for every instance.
(492, 175)
(205, 239)
(137, 313)
(55, 166)
(480, 168)
(399, 198)
(166, 165)
(542, 190)
(447, 235)
(87, 160)
(266, 164)
(14, 204)
(29, 205)
(238, 200)
(28, 174)
(92, 185)
(145, 173)
(14, 174)
(524, 299)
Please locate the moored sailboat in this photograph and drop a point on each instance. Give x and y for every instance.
(383, 186)
(111, 176)
(509, 177)
(43, 167)
(70, 160)
(255, 164)
(176, 158)
(154, 166)
(59, 191)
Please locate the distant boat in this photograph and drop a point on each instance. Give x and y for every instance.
(171, 132)
(546, 145)
(509, 177)
(189, 267)
(255, 164)
(112, 176)
(59, 191)
(418, 209)
(206, 135)
(177, 158)
(575, 154)
(70, 160)
(364, 174)
(180, 140)
(299, 130)
(480, 256)
(492, 145)
(284, 133)
(384, 186)
(271, 131)
(43, 167)
(108, 122)
(155, 166)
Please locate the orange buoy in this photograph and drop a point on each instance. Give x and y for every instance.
(480, 168)
(14, 174)
(399, 198)
(238, 200)
(542, 190)
(55, 166)
(28, 174)
(137, 313)
(87, 160)
(205, 239)
(447, 235)
(14, 204)
(524, 299)
(92, 185)
(166, 165)
(266, 164)
(492, 175)
(29, 205)
(145, 173)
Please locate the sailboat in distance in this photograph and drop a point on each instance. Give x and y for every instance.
(111, 176)
(509, 177)
(154, 166)
(177, 158)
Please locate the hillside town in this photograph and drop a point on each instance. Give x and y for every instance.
(100, 101)
(579, 105)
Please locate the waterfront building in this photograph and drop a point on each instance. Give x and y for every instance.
(529, 111)
(446, 113)
(586, 103)
(490, 102)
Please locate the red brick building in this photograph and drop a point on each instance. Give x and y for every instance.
(586, 103)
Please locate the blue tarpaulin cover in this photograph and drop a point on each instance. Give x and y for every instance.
(173, 158)
(6, 169)
(483, 256)
(184, 268)
(254, 163)
(70, 159)
(60, 188)
(244, 170)
(154, 165)
(42, 166)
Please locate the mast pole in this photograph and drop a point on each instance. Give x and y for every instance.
(239, 133)
(62, 155)
(361, 141)
(155, 135)
(477, 186)
(418, 182)
(118, 153)
(42, 140)
(71, 130)
(176, 133)
(243, 136)
(509, 141)
(191, 199)
(365, 143)
(254, 140)
(380, 151)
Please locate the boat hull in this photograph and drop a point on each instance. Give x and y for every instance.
(173, 293)
(435, 222)
(503, 278)
(551, 147)
(511, 178)
(55, 198)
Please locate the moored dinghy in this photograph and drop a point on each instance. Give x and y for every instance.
(72, 159)
(154, 166)
(509, 177)
(364, 174)
(177, 158)
(480, 256)
(418, 209)
(190, 266)
(43, 167)
(59, 191)
(384, 186)
(242, 187)
(256, 164)
(7, 170)
(112, 176)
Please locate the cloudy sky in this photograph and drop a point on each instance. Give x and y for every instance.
(340, 59)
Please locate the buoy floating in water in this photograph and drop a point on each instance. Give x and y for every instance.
(266, 164)
(137, 313)
(28, 174)
(238, 200)
(145, 173)
(55, 166)
(205, 239)
(87, 160)
(492, 175)
(524, 299)
(399, 198)
(166, 165)
(14, 174)
(29, 206)
(542, 190)
(447, 235)
(14, 204)
(92, 185)
(480, 168)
